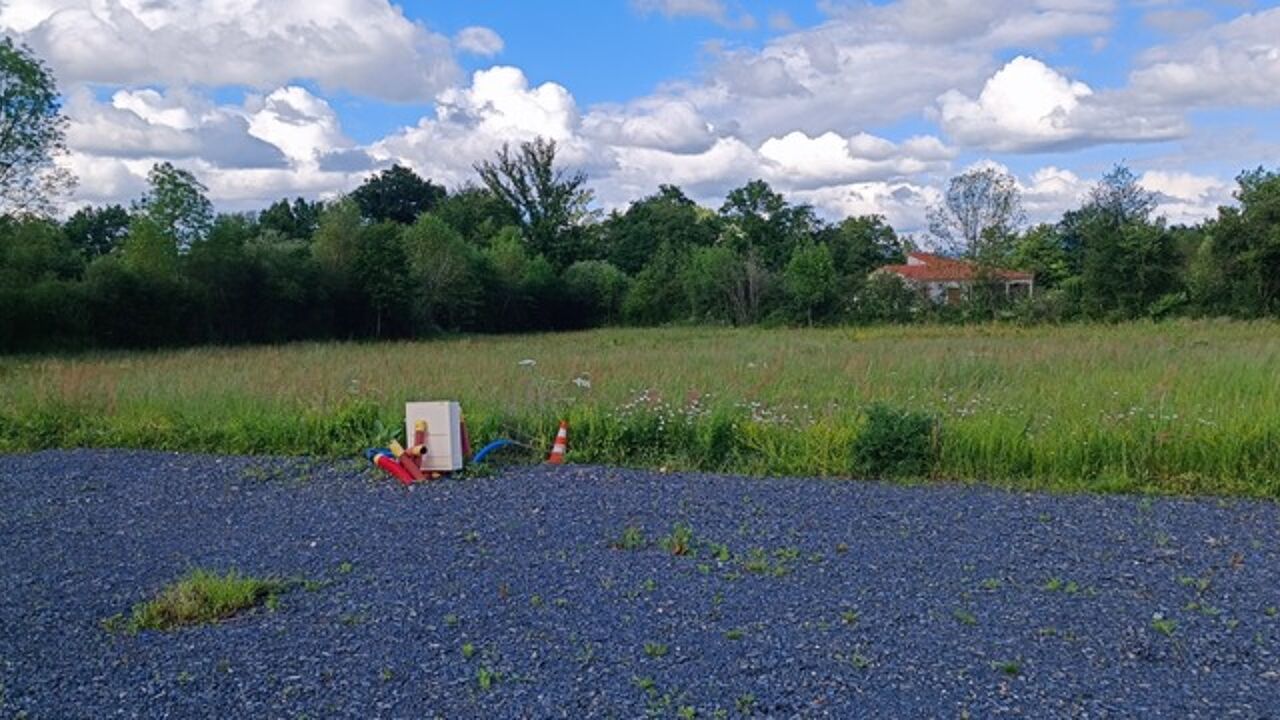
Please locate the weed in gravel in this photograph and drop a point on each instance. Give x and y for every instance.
(965, 617)
(1272, 611)
(535, 601)
(746, 703)
(860, 661)
(720, 552)
(655, 649)
(849, 617)
(451, 620)
(471, 537)
(386, 674)
(1008, 667)
(468, 650)
(644, 683)
(632, 538)
(686, 712)
(734, 634)
(992, 584)
(200, 597)
(486, 677)
(842, 548)
(680, 541)
(345, 568)
(1164, 626)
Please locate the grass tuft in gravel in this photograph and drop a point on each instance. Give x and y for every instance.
(197, 598)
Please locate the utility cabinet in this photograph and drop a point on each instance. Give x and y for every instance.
(444, 433)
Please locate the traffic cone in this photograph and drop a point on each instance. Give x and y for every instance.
(561, 445)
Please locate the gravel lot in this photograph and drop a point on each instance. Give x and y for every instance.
(840, 599)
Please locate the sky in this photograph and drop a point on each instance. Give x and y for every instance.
(854, 107)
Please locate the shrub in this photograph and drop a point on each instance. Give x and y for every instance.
(895, 443)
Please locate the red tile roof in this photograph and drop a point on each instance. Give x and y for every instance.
(935, 268)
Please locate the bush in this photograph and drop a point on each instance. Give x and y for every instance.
(896, 443)
(594, 289)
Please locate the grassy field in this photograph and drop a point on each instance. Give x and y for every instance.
(1183, 407)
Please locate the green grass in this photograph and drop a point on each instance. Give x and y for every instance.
(199, 597)
(1178, 407)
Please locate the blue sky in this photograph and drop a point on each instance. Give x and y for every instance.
(851, 106)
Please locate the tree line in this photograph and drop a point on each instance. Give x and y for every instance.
(524, 250)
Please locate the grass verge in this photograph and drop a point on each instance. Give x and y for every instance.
(199, 597)
(1179, 407)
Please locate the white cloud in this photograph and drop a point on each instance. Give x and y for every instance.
(662, 124)
(797, 160)
(364, 46)
(1027, 106)
(1234, 64)
(1185, 198)
(479, 41)
(714, 10)
(172, 125)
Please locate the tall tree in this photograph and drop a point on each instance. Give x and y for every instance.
(297, 220)
(551, 204)
(32, 133)
(759, 222)
(632, 238)
(861, 244)
(176, 204)
(96, 231)
(979, 215)
(397, 194)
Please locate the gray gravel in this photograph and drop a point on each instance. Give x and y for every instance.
(875, 600)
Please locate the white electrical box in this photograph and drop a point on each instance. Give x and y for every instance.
(444, 433)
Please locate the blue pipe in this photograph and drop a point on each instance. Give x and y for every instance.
(479, 456)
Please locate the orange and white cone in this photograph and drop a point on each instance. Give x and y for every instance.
(561, 445)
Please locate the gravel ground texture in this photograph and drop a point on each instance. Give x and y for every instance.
(503, 596)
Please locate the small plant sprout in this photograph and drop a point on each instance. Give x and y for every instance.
(1164, 626)
(680, 541)
(1053, 584)
(992, 584)
(1008, 667)
(734, 634)
(687, 712)
(849, 617)
(485, 677)
(632, 538)
(655, 649)
(468, 650)
(746, 703)
(965, 617)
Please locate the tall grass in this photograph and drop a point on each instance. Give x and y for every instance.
(1174, 407)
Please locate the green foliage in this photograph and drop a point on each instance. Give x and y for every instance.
(632, 239)
(759, 223)
(94, 232)
(176, 205)
(810, 282)
(594, 292)
(443, 285)
(34, 133)
(201, 597)
(397, 195)
(632, 538)
(550, 204)
(896, 443)
(680, 540)
(886, 298)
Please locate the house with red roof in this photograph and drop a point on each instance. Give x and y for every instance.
(947, 280)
